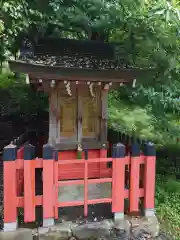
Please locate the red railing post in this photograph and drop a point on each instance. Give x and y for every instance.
(10, 208)
(86, 182)
(149, 181)
(20, 172)
(118, 180)
(29, 183)
(134, 178)
(48, 186)
(56, 186)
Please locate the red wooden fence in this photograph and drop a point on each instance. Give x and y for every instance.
(24, 195)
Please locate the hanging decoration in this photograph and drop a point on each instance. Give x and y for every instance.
(52, 84)
(91, 89)
(106, 87)
(68, 88)
(134, 83)
(27, 79)
(79, 152)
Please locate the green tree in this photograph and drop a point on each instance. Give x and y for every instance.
(147, 34)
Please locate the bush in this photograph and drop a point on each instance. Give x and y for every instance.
(168, 205)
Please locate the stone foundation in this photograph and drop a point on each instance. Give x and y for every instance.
(128, 228)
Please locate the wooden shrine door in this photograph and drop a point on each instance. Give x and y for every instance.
(80, 107)
(68, 119)
(90, 115)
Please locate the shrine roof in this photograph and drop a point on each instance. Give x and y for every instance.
(70, 55)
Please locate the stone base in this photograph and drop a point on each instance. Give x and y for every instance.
(127, 228)
(20, 234)
(145, 224)
(93, 230)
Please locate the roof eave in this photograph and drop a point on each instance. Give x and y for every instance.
(64, 73)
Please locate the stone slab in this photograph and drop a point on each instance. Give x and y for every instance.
(92, 230)
(53, 236)
(127, 228)
(20, 234)
(76, 192)
(123, 224)
(60, 231)
(142, 225)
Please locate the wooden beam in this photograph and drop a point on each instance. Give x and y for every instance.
(52, 117)
(80, 74)
(79, 115)
(73, 146)
(104, 116)
(58, 127)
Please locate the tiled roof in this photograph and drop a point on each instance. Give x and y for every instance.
(77, 61)
(73, 54)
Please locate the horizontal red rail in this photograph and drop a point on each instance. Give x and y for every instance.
(39, 161)
(81, 203)
(20, 163)
(75, 182)
(39, 200)
(90, 160)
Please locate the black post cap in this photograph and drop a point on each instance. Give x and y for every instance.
(149, 149)
(48, 152)
(114, 151)
(86, 154)
(10, 152)
(119, 150)
(29, 152)
(135, 149)
(85, 150)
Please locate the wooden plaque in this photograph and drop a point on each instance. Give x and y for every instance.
(68, 112)
(90, 115)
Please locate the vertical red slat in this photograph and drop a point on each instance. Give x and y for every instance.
(102, 166)
(29, 190)
(20, 153)
(118, 180)
(86, 188)
(48, 185)
(10, 211)
(48, 188)
(134, 184)
(149, 183)
(56, 165)
(18, 185)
